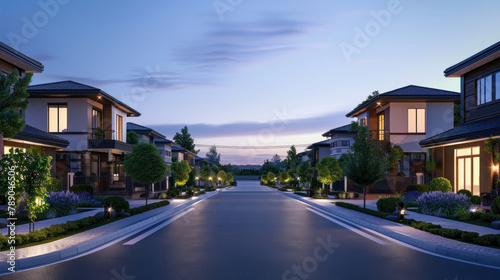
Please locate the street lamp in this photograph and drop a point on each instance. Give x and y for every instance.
(196, 183)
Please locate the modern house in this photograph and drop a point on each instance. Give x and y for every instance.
(182, 154)
(460, 152)
(341, 139)
(164, 146)
(93, 123)
(406, 116)
(30, 136)
(320, 149)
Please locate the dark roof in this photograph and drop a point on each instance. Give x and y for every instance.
(346, 129)
(408, 93)
(36, 135)
(74, 89)
(301, 154)
(475, 130)
(474, 61)
(140, 129)
(162, 140)
(324, 143)
(20, 60)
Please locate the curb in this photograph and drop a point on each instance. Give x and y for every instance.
(93, 243)
(481, 255)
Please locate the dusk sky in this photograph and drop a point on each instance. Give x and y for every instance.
(248, 73)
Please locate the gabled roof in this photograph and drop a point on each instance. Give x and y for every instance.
(470, 131)
(324, 143)
(19, 59)
(346, 129)
(140, 129)
(408, 93)
(475, 61)
(74, 89)
(36, 135)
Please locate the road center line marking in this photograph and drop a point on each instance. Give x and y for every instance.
(372, 238)
(151, 231)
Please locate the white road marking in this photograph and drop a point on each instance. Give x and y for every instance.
(372, 238)
(151, 231)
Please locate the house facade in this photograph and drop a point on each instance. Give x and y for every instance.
(30, 136)
(93, 122)
(341, 139)
(181, 154)
(406, 116)
(460, 152)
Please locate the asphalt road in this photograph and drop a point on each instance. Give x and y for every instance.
(250, 232)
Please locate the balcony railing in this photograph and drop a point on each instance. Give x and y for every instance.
(101, 134)
(380, 135)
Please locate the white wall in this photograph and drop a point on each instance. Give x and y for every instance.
(335, 151)
(36, 114)
(115, 111)
(364, 115)
(399, 115)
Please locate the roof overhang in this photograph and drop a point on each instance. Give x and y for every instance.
(20, 60)
(479, 59)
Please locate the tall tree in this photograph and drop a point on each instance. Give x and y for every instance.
(213, 155)
(185, 140)
(276, 161)
(365, 164)
(328, 170)
(13, 97)
(145, 165)
(305, 172)
(291, 160)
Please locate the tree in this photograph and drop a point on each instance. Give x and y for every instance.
(29, 173)
(305, 172)
(291, 160)
(181, 170)
(271, 177)
(132, 138)
(263, 178)
(394, 154)
(222, 176)
(13, 97)
(364, 163)
(206, 173)
(229, 178)
(215, 172)
(212, 155)
(268, 167)
(328, 170)
(284, 177)
(145, 165)
(185, 140)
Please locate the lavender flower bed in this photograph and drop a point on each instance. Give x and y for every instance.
(438, 203)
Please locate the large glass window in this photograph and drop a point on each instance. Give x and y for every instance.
(467, 169)
(381, 127)
(416, 120)
(96, 118)
(484, 89)
(57, 118)
(119, 128)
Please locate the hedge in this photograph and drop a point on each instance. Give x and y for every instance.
(118, 203)
(82, 188)
(417, 187)
(379, 214)
(388, 204)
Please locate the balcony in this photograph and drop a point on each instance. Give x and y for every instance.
(379, 135)
(103, 140)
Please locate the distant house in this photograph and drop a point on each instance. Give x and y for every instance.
(303, 156)
(164, 146)
(406, 116)
(94, 124)
(181, 154)
(460, 152)
(30, 136)
(341, 139)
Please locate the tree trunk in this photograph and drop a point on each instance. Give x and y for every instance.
(364, 197)
(1, 145)
(147, 194)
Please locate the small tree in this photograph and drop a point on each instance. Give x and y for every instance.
(263, 179)
(365, 163)
(283, 177)
(222, 176)
(305, 172)
(132, 138)
(270, 177)
(181, 170)
(29, 171)
(215, 172)
(145, 165)
(328, 170)
(229, 178)
(206, 173)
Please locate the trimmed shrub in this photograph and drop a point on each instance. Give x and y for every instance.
(489, 217)
(451, 233)
(495, 206)
(440, 184)
(362, 210)
(36, 236)
(417, 187)
(118, 203)
(468, 236)
(53, 185)
(486, 240)
(82, 188)
(388, 204)
(466, 192)
(56, 230)
(475, 199)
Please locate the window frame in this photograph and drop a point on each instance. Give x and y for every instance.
(58, 122)
(416, 118)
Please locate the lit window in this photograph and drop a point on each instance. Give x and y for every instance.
(57, 117)
(381, 127)
(362, 122)
(416, 120)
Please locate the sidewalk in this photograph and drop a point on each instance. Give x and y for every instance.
(417, 238)
(85, 241)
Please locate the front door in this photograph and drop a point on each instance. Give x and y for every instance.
(467, 169)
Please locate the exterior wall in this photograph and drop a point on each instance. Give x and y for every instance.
(323, 152)
(36, 115)
(439, 117)
(115, 111)
(339, 150)
(362, 116)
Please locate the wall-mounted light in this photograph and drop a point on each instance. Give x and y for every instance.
(495, 168)
(99, 97)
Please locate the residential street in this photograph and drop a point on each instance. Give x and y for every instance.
(253, 232)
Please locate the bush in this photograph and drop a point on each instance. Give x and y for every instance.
(362, 210)
(82, 188)
(466, 192)
(388, 204)
(53, 185)
(468, 236)
(417, 187)
(451, 233)
(410, 198)
(489, 217)
(495, 206)
(440, 184)
(118, 203)
(486, 240)
(475, 199)
(436, 202)
(36, 236)
(56, 230)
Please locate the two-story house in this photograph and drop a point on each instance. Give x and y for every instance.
(460, 152)
(30, 136)
(406, 116)
(93, 122)
(163, 145)
(341, 139)
(181, 154)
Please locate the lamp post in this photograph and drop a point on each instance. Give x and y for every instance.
(298, 179)
(196, 182)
